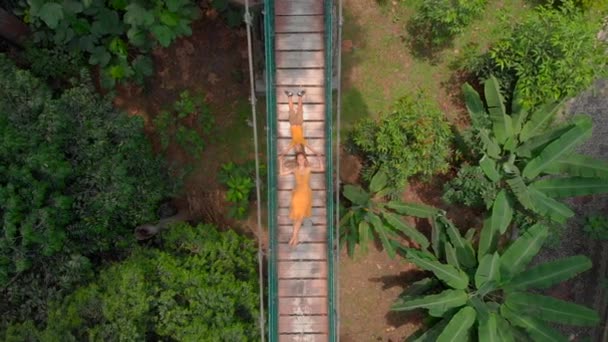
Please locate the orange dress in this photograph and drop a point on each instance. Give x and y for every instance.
(301, 197)
(297, 135)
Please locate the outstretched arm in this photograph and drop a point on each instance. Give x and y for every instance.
(319, 167)
(282, 170)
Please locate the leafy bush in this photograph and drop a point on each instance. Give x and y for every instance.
(596, 226)
(188, 110)
(202, 285)
(53, 64)
(436, 22)
(413, 139)
(551, 54)
(471, 188)
(232, 14)
(116, 35)
(490, 289)
(75, 176)
(240, 181)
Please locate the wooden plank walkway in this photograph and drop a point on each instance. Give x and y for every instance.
(302, 270)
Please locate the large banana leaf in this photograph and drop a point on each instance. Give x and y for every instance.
(488, 329)
(558, 148)
(521, 251)
(539, 120)
(505, 331)
(518, 112)
(487, 239)
(450, 255)
(578, 165)
(417, 288)
(571, 187)
(438, 237)
(464, 249)
(439, 303)
(533, 145)
(378, 182)
(488, 270)
(549, 207)
(364, 235)
(490, 146)
(501, 122)
(521, 191)
(550, 273)
(458, 328)
(551, 309)
(477, 112)
(538, 330)
(448, 274)
(432, 333)
(502, 212)
(383, 232)
(488, 166)
(397, 223)
(413, 209)
(356, 194)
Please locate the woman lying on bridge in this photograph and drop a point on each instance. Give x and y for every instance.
(301, 196)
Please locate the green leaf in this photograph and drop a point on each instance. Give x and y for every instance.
(108, 22)
(175, 5)
(517, 256)
(413, 209)
(488, 166)
(533, 145)
(564, 144)
(549, 207)
(417, 288)
(472, 100)
(521, 191)
(501, 122)
(364, 235)
(502, 212)
(378, 182)
(51, 13)
(550, 273)
(136, 37)
(552, 310)
(571, 187)
(432, 333)
(356, 194)
(382, 232)
(438, 303)
(490, 146)
(464, 250)
(72, 6)
(100, 56)
(410, 232)
(537, 330)
(448, 274)
(488, 270)
(163, 34)
(438, 237)
(143, 65)
(168, 18)
(539, 120)
(579, 165)
(450, 255)
(488, 239)
(138, 16)
(505, 331)
(458, 328)
(488, 329)
(518, 112)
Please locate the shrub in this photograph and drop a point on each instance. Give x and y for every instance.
(53, 64)
(116, 35)
(552, 54)
(200, 285)
(413, 139)
(436, 22)
(240, 181)
(470, 187)
(596, 226)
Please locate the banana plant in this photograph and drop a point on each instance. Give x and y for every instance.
(531, 158)
(487, 298)
(370, 214)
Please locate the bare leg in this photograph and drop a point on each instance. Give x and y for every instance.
(290, 103)
(296, 229)
(300, 102)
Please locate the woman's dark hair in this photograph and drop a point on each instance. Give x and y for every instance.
(301, 153)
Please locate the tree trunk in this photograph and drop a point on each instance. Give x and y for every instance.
(148, 230)
(13, 29)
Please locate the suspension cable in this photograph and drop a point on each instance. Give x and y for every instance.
(338, 109)
(248, 21)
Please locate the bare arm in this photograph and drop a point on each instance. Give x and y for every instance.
(282, 170)
(319, 167)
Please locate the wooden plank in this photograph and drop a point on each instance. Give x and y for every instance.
(317, 182)
(316, 212)
(306, 234)
(311, 77)
(302, 269)
(314, 112)
(298, 7)
(303, 324)
(303, 338)
(316, 143)
(302, 287)
(318, 198)
(314, 220)
(303, 306)
(303, 251)
(299, 41)
(312, 129)
(313, 94)
(300, 59)
(298, 23)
